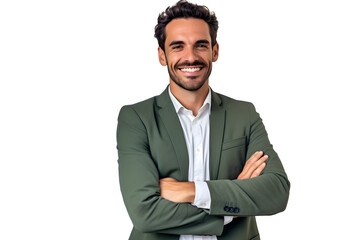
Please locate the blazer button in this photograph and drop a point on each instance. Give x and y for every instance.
(226, 209)
(236, 210)
(231, 209)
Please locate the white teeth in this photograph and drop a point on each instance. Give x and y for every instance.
(190, 69)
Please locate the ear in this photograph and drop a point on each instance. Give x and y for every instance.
(162, 58)
(215, 52)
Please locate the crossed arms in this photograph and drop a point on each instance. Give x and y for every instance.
(184, 192)
(149, 199)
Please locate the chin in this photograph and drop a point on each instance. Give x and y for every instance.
(190, 86)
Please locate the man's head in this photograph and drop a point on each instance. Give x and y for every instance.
(187, 44)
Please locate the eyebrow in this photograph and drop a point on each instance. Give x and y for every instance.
(182, 42)
(203, 41)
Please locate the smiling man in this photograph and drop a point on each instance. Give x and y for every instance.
(189, 53)
(195, 164)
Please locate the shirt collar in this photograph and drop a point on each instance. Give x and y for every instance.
(178, 106)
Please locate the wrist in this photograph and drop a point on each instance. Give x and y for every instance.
(189, 192)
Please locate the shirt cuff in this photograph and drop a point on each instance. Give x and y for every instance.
(228, 219)
(202, 195)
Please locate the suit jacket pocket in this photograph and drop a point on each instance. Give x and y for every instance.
(234, 143)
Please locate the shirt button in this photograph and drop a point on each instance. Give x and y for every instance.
(203, 204)
(198, 149)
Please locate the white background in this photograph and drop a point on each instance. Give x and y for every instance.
(66, 68)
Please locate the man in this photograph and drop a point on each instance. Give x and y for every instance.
(194, 164)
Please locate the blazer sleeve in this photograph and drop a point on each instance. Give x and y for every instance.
(139, 183)
(263, 195)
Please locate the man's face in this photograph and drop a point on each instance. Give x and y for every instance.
(188, 52)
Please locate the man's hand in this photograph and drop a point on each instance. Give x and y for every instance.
(254, 165)
(180, 192)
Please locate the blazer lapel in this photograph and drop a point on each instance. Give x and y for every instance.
(173, 127)
(217, 124)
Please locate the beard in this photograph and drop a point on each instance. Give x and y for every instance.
(193, 85)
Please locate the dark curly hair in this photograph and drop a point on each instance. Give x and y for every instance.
(184, 9)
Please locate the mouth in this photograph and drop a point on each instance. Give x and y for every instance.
(191, 69)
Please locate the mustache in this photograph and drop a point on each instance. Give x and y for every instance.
(189, 64)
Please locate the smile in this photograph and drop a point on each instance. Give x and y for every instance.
(194, 69)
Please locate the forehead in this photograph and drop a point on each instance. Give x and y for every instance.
(187, 30)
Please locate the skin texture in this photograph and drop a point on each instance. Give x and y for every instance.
(188, 46)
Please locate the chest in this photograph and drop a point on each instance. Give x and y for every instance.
(173, 149)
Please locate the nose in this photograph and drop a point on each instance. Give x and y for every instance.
(190, 55)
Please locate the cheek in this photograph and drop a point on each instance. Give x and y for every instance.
(207, 57)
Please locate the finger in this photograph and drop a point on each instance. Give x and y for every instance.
(257, 171)
(252, 164)
(255, 156)
(251, 160)
(256, 164)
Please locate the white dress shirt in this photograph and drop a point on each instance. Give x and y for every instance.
(197, 137)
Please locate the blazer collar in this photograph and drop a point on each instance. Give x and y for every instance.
(169, 118)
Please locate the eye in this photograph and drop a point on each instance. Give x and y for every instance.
(176, 47)
(202, 46)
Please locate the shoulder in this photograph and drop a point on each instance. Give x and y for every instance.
(235, 105)
(238, 111)
(140, 106)
(137, 110)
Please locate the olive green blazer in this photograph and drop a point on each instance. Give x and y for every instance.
(151, 146)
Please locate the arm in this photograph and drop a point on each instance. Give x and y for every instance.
(176, 191)
(182, 192)
(263, 195)
(139, 182)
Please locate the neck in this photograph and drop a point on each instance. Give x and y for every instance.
(192, 100)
